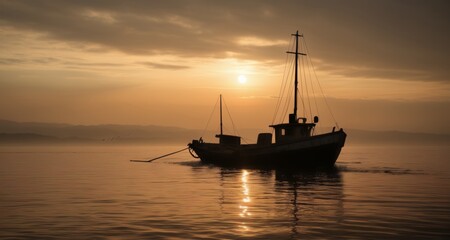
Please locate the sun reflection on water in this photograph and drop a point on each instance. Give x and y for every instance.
(244, 208)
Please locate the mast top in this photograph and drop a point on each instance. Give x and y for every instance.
(293, 116)
(296, 34)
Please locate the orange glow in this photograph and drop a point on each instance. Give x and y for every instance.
(47, 76)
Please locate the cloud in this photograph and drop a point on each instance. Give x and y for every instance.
(11, 61)
(163, 66)
(393, 39)
(259, 42)
(52, 61)
(391, 73)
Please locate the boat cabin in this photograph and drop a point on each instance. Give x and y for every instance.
(287, 132)
(292, 131)
(229, 139)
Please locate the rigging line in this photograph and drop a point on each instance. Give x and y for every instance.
(301, 90)
(303, 103)
(312, 87)
(282, 105)
(283, 84)
(281, 92)
(286, 81)
(235, 128)
(289, 96)
(281, 88)
(287, 100)
(302, 95)
(210, 116)
(309, 66)
(321, 90)
(246, 140)
(307, 89)
(283, 98)
(232, 122)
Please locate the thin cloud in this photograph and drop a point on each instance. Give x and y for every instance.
(163, 66)
(11, 61)
(258, 97)
(259, 42)
(410, 35)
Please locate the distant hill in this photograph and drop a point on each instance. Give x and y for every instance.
(32, 138)
(54, 132)
(26, 137)
(355, 136)
(29, 132)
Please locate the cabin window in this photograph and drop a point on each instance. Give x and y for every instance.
(283, 132)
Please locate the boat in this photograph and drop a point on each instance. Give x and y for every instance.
(295, 145)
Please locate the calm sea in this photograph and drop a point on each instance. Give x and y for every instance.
(87, 192)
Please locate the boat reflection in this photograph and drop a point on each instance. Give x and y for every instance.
(315, 196)
(263, 198)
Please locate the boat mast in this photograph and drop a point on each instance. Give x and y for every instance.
(293, 117)
(296, 75)
(221, 129)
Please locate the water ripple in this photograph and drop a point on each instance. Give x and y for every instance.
(371, 194)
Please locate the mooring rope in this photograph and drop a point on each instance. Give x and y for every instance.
(156, 158)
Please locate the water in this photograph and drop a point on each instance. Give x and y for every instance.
(96, 193)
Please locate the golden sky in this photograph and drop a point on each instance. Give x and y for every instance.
(383, 64)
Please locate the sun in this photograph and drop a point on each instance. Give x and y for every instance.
(242, 79)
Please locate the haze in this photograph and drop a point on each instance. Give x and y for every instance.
(383, 64)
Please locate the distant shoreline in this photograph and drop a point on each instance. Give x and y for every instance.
(13, 133)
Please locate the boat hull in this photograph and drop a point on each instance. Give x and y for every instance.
(316, 151)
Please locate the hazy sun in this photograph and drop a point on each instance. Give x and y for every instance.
(242, 79)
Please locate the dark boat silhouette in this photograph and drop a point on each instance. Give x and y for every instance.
(295, 145)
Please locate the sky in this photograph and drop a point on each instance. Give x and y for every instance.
(383, 65)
